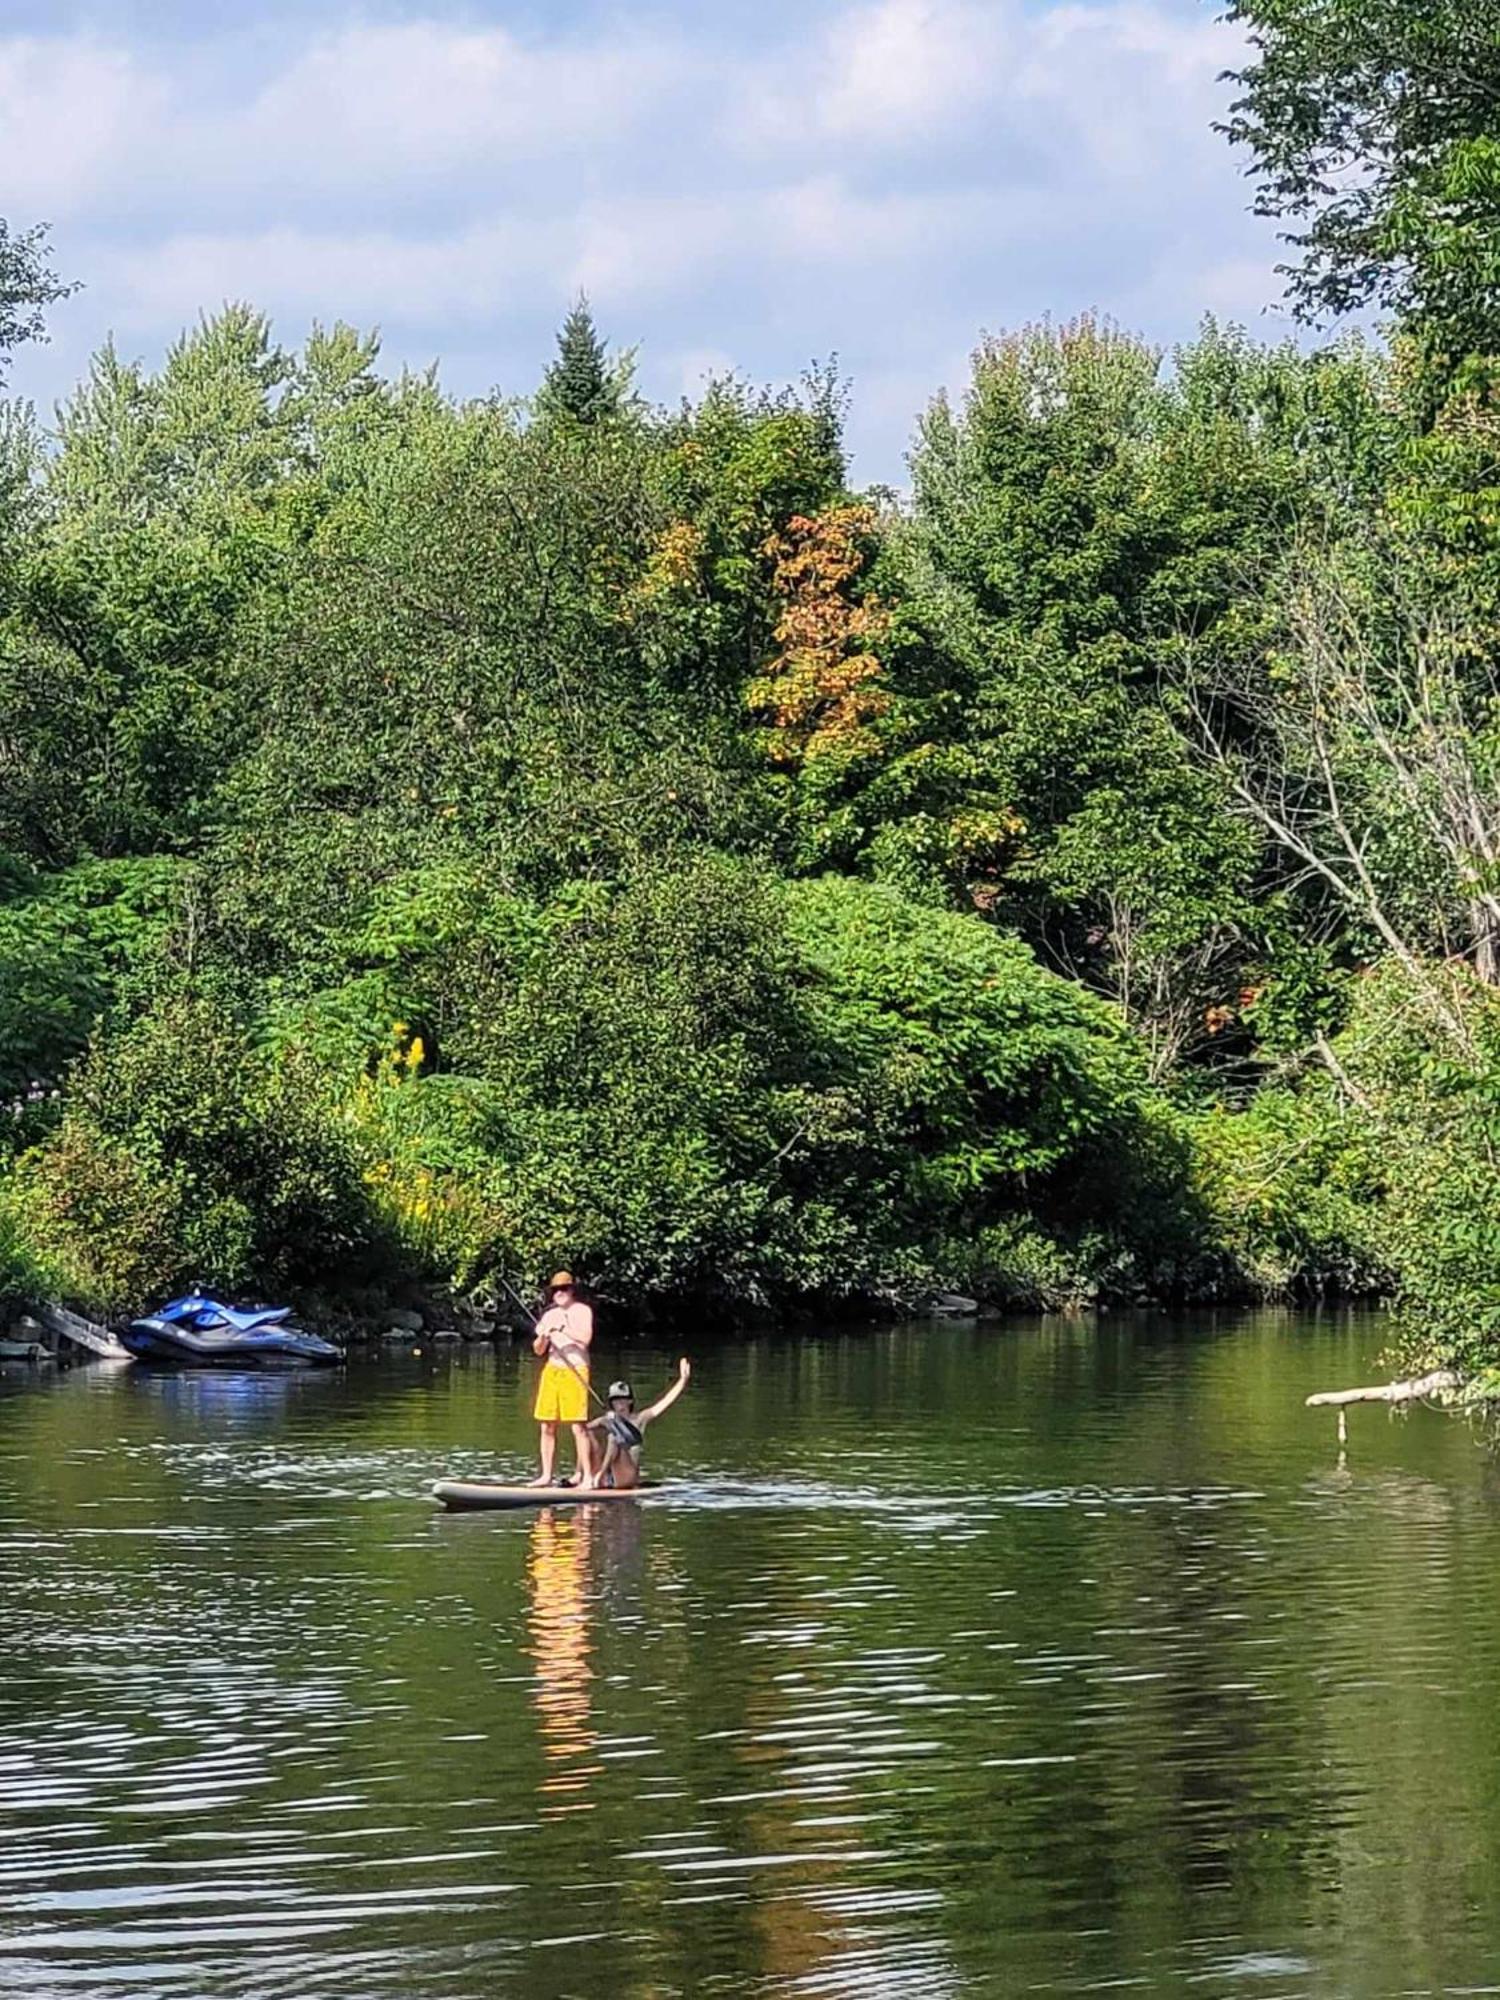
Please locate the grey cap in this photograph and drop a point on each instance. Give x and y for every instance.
(620, 1389)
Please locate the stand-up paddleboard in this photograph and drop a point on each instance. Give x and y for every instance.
(457, 1494)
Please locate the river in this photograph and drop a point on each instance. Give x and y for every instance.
(1038, 1658)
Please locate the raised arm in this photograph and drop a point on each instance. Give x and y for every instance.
(665, 1402)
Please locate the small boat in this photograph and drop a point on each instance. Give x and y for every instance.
(199, 1331)
(465, 1495)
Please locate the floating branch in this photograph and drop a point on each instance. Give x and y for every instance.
(1390, 1392)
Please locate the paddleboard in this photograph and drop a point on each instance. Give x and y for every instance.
(467, 1493)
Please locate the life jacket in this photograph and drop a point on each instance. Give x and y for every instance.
(625, 1432)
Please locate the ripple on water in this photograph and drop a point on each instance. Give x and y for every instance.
(1115, 1694)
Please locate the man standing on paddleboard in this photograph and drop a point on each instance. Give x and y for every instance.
(564, 1334)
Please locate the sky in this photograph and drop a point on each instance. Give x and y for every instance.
(738, 186)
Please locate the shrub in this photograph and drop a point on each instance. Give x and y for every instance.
(1294, 1185)
(186, 1153)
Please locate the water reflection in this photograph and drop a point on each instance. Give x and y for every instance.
(561, 1645)
(232, 1399)
(1134, 1686)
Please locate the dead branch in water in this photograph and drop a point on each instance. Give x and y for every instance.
(1390, 1392)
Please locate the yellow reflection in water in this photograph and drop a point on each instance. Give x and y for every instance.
(560, 1618)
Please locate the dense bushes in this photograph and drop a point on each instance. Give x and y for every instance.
(703, 1081)
(183, 1152)
(1425, 1060)
(67, 941)
(1295, 1183)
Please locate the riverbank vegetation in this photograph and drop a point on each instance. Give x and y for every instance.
(440, 838)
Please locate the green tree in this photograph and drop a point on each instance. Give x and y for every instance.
(27, 287)
(177, 512)
(1079, 522)
(581, 385)
(69, 941)
(185, 1152)
(1374, 132)
(437, 841)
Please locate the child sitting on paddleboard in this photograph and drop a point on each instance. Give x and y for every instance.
(623, 1427)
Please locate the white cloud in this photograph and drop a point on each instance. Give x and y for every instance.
(72, 113)
(388, 111)
(365, 277)
(1184, 50)
(825, 220)
(880, 177)
(1128, 89)
(634, 247)
(631, 251)
(900, 66)
(1047, 91)
(422, 101)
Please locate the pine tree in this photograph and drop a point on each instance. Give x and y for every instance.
(580, 384)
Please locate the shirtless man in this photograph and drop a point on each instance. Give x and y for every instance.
(564, 1334)
(625, 1428)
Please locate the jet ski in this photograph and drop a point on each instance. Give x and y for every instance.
(200, 1331)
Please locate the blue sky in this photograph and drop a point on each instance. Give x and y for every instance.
(737, 185)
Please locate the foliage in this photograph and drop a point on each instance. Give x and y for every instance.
(1080, 525)
(67, 941)
(22, 1278)
(982, 1090)
(183, 1154)
(27, 286)
(1372, 124)
(705, 1082)
(443, 839)
(1431, 1108)
(820, 689)
(1295, 1183)
(580, 386)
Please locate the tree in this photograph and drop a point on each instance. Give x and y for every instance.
(1076, 521)
(820, 691)
(459, 841)
(1375, 128)
(581, 385)
(184, 1150)
(27, 287)
(1368, 752)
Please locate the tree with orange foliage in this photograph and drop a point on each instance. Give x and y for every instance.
(821, 691)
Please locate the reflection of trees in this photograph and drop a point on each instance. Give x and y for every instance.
(1106, 1673)
(1191, 1706)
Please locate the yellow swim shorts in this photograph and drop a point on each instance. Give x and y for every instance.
(561, 1395)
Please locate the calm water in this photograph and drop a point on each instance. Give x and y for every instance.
(1039, 1659)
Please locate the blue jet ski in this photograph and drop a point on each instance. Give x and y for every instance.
(200, 1331)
